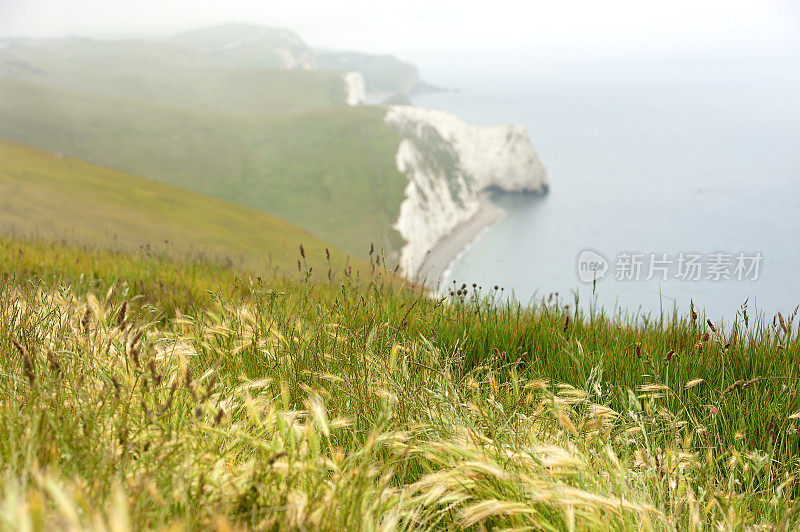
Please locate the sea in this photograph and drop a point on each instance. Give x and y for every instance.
(663, 194)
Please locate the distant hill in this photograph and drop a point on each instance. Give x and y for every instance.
(163, 73)
(47, 195)
(199, 67)
(249, 46)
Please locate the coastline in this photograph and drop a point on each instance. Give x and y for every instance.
(440, 258)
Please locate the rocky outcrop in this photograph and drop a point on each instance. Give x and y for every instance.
(449, 163)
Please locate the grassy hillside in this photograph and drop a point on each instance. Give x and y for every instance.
(341, 405)
(165, 74)
(329, 171)
(279, 141)
(49, 196)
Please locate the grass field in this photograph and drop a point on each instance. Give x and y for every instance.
(329, 171)
(350, 403)
(53, 197)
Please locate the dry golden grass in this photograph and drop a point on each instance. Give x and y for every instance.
(327, 405)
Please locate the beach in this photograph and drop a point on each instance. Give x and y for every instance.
(450, 246)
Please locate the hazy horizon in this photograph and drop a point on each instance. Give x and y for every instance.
(572, 41)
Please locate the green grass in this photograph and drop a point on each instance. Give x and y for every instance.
(329, 171)
(48, 196)
(347, 403)
(151, 278)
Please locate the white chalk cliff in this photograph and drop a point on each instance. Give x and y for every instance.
(449, 163)
(355, 93)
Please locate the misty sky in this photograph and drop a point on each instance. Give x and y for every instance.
(427, 31)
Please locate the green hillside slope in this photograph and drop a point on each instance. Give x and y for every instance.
(49, 196)
(329, 171)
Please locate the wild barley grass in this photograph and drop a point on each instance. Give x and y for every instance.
(347, 404)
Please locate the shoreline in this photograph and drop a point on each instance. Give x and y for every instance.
(440, 258)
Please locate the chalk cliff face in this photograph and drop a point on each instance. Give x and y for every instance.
(449, 163)
(354, 88)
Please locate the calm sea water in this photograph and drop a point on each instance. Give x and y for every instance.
(641, 168)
